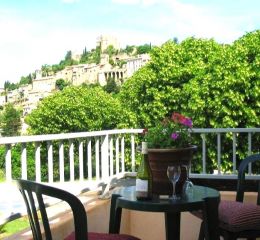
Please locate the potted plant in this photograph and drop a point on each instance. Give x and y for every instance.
(169, 143)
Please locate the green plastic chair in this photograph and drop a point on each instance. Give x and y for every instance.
(29, 188)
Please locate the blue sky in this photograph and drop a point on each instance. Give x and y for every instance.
(33, 33)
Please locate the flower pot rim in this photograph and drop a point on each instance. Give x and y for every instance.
(173, 149)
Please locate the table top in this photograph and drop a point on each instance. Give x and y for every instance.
(191, 201)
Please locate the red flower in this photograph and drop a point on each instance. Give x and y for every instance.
(178, 118)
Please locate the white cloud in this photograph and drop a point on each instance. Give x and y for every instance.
(184, 19)
(25, 46)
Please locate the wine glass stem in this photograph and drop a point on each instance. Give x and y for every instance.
(173, 189)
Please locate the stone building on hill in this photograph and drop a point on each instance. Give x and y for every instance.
(27, 97)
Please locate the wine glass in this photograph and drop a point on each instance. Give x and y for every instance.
(188, 185)
(173, 173)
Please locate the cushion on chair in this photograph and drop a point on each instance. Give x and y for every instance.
(104, 236)
(236, 216)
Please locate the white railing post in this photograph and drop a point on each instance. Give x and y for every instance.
(111, 156)
(203, 136)
(219, 152)
(104, 158)
(81, 172)
(249, 152)
(117, 155)
(38, 161)
(97, 155)
(90, 160)
(123, 154)
(133, 152)
(71, 156)
(234, 153)
(61, 161)
(24, 161)
(50, 161)
(8, 163)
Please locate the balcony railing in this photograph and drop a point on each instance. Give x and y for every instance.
(100, 156)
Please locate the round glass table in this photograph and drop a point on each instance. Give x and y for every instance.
(199, 198)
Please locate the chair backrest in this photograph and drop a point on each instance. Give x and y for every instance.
(241, 177)
(33, 192)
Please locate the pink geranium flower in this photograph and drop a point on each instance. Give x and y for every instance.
(171, 132)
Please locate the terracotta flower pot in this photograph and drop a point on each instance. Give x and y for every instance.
(160, 159)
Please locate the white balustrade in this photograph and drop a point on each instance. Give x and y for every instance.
(204, 132)
(104, 153)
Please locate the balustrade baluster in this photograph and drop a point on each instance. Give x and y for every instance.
(249, 152)
(24, 161)
(97, 158)
(90, 160)
(8, 162)
(203, 136)
(61, 161)
(38, 161)
(71, 156)
(111, 156)
(133, 152)
(123, 154)
(50, 161)
(117, 155)
(104, 158)
(219, 152)
(81, 172)
(234, 153)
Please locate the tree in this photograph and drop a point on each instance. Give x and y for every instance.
(25, 80)
(111, 86)
(61, 84)
(129, 49)
(85, 56)
(146, 48)
(110, 50)
(96, 55)
(77, 109)
(216, 85)
(10, 121)
(46, 70)
(8, 86)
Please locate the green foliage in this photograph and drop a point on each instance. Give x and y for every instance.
(10, 86)
(26, 80)
(142, 49)
(91, 57)
(13, 227)
(85, 56)
(46, 70)
(218, 85)
(170, 132)
(111, 86)
(10, 120)
(61, 84)
(2, 175)
(111, 50)
(77, 109)
(129, 49)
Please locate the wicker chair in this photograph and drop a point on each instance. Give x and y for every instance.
(29, 188)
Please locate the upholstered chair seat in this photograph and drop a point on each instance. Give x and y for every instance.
(237, 216)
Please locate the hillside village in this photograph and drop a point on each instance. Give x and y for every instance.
(27, 96)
